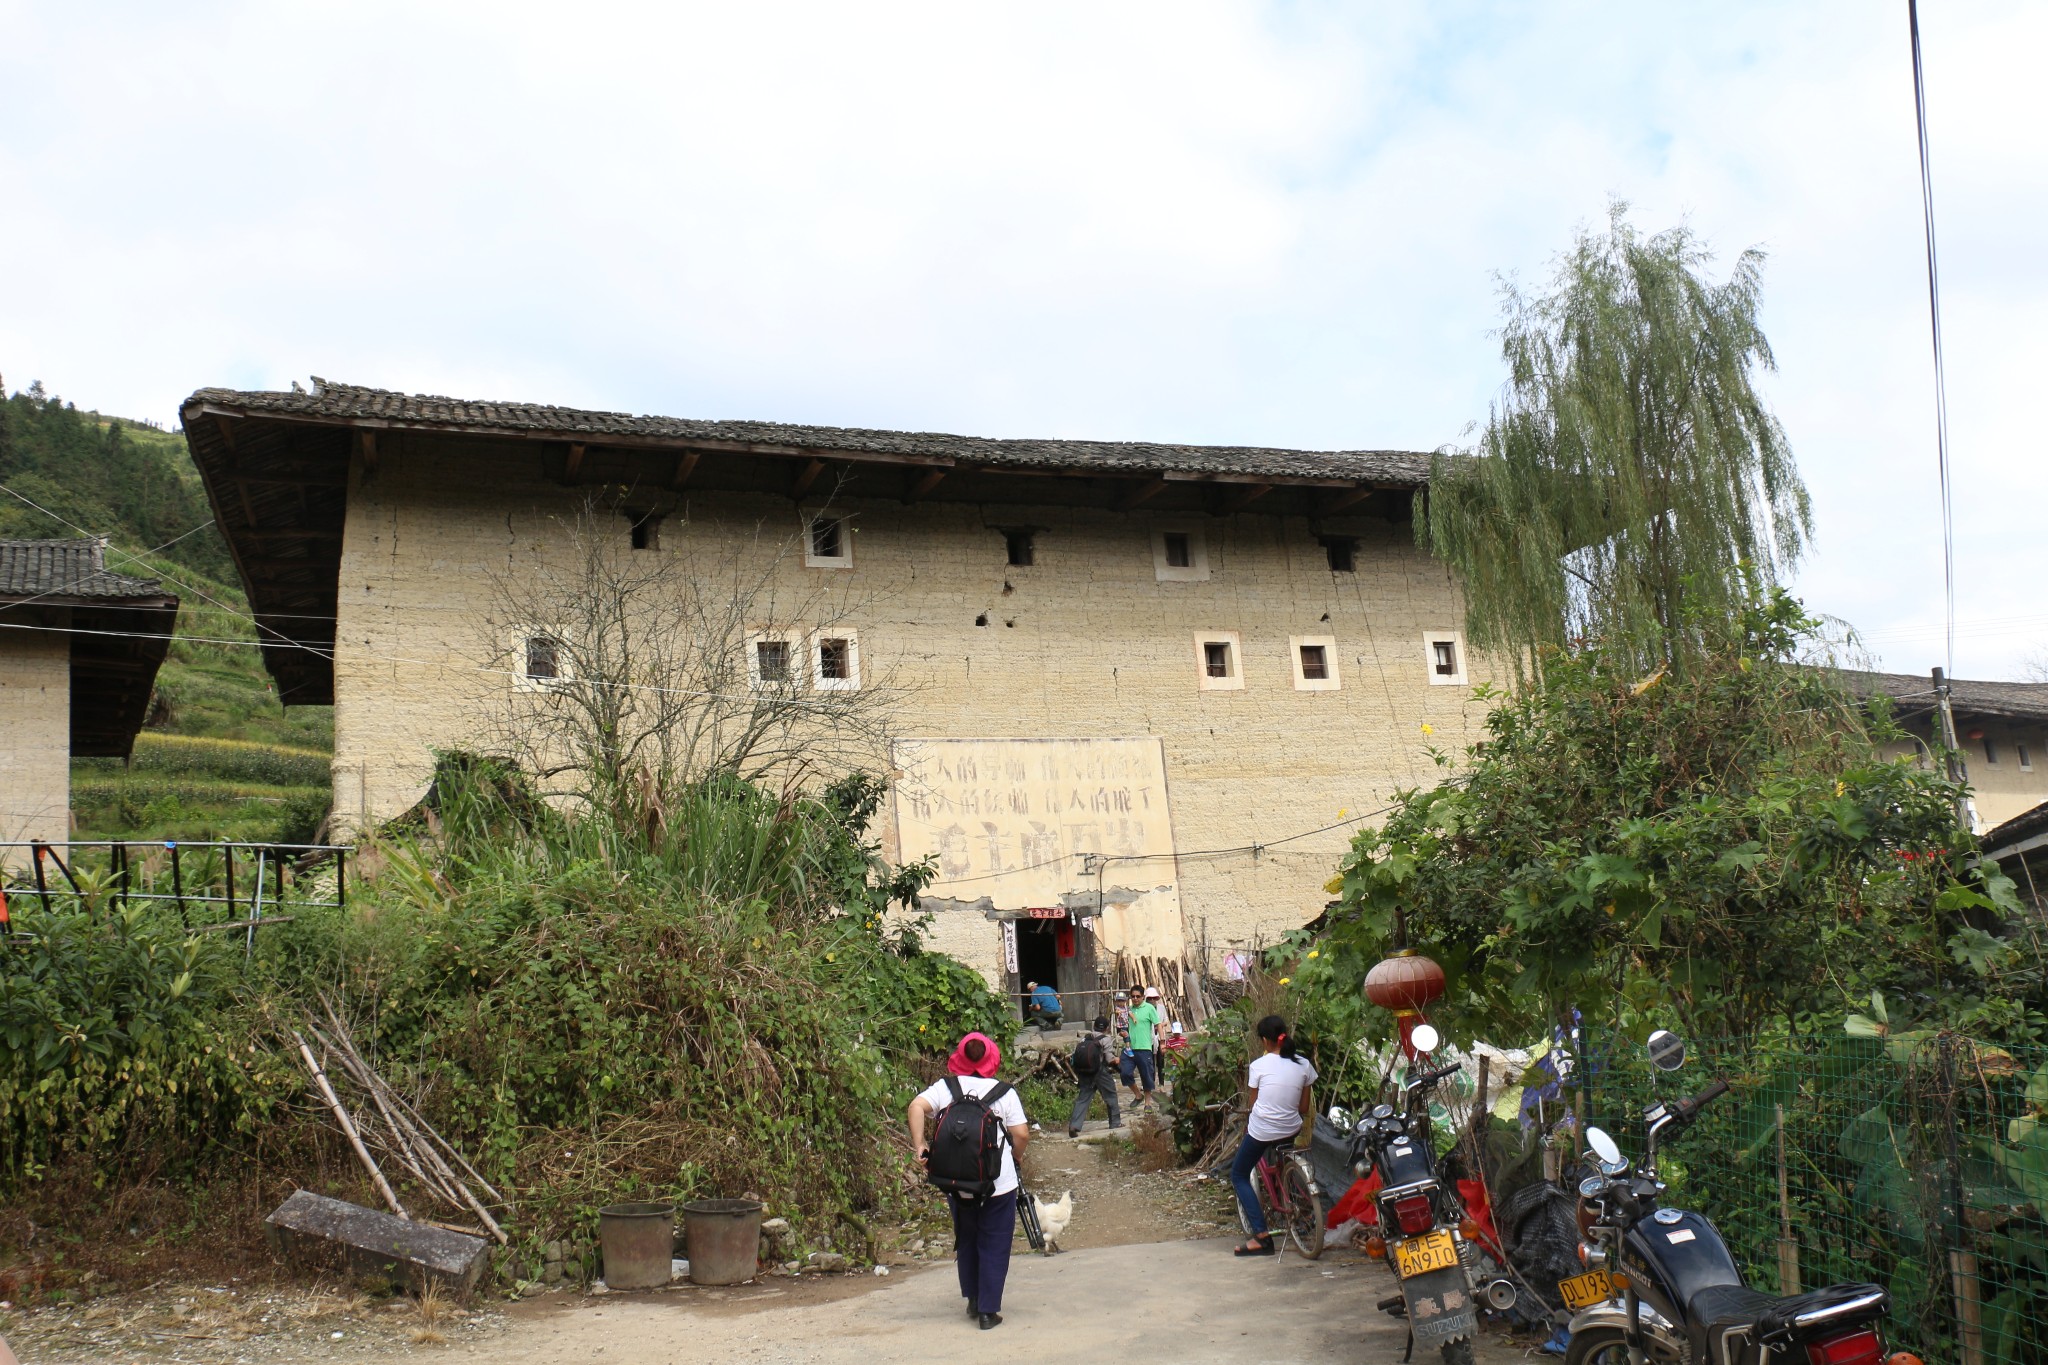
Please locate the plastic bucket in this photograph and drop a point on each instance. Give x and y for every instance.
(724, 1239)
(637, 1242)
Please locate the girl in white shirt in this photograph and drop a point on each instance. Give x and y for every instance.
(1279, 1083)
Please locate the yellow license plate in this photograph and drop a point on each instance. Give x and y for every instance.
(1420, 1255)
(1583, 1291)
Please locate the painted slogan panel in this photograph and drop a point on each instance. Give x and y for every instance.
(1012, 823)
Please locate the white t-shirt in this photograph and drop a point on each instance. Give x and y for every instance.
(1276, 1114)
(1009, 1111)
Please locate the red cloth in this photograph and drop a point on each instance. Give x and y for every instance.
(991, 1057)
(1357, 1203)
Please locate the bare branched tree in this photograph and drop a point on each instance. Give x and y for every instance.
(632, 673)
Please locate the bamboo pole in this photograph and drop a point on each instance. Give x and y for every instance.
(348, 1126)
(1788, 1249)
(1962, 1269)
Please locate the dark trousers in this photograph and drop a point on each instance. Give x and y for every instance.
(982, 1229)
(1103, 1082)
(1148, 1079)
(1249, 1153)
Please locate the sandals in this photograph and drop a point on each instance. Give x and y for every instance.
(1261, 1245)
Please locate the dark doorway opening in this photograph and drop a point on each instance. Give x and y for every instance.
(1037, 957)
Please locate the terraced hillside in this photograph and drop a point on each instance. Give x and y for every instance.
(219, 758)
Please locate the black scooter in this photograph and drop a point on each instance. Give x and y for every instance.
(1419, 1217)
(1673, 1293)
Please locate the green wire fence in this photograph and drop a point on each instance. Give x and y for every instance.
(1917, 1161)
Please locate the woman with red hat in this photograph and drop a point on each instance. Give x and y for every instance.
(983, 1224)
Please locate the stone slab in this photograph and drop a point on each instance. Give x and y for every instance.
(313, 1229)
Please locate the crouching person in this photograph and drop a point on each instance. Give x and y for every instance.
(972, 1155)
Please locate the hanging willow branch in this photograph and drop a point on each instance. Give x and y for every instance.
(1633, 484)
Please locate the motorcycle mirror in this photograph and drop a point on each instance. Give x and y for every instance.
(1425, 1038)
(1667, 1050)
(1603, 1147)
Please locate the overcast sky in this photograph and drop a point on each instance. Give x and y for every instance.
(1274, 225)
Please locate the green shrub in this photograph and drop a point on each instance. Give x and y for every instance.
(125, 1041)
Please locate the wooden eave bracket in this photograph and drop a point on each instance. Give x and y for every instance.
(921, 484)
(806, 477)
(1141, 495)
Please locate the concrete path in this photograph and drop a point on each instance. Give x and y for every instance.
(1165, 1301)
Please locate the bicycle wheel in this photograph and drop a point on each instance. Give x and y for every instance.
(1305, 1212)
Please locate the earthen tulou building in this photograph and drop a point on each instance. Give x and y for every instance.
(1142, 694)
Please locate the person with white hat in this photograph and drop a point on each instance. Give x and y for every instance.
(1145, 1024)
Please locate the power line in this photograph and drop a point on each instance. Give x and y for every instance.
(1948, 529)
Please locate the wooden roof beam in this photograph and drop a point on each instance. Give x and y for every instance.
(1237, 502)
(1141, 494)
(574, 463)
(921, 484)
(806, 477)
(367, 442)
(1349, 497)
(686, 465)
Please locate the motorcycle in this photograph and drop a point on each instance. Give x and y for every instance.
(1660, 1284)
(1420, 1217)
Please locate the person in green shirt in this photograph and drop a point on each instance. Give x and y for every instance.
(1145, 1022)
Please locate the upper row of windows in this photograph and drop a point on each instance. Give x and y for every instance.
(1178, 556)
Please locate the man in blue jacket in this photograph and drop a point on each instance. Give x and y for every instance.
(1044, 1006)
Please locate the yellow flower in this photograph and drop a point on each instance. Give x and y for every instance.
(1839, 789)
(1285, 979)
(1315, 952)
(920, 1028)
(1428, 729)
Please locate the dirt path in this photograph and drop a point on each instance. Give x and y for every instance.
(1144, 1264)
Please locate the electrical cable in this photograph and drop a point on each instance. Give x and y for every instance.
(1948, 530)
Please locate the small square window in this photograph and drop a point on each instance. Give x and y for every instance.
(1180, 555)
(1341, 551)
(1990, 751)
(646, 533)
(1219, 662)
(1443, 655)
(543, 658)
(771, 660)
(835, 660)
(1315, 663)
(2026, 758)
(1019, 545)
(828, 538)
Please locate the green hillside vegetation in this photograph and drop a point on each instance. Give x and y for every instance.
(220, 758)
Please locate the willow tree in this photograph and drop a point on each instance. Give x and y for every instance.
(1631, 483)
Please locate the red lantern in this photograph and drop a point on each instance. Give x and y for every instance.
(1405, 983)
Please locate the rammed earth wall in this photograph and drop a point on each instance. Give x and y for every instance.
(35, 736)
(1086, 642)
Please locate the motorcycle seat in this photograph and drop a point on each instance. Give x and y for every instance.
(1728, 1320)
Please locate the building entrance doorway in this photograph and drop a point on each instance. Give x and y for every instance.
(1038, 958)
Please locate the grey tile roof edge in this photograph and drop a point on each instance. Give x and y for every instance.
(71, 568)
(1916, 692)
(355, 404)
(1997, 840)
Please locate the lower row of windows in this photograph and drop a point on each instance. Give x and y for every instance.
(830, 660)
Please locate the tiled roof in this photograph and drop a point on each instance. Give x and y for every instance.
(1915, 692)
(349, 403)
(2027, 827)
(66, 568)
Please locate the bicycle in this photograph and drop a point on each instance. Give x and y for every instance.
(1286, 1186)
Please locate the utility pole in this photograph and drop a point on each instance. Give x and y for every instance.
(1951, 750)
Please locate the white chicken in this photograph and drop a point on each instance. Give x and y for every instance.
(1053, 1219)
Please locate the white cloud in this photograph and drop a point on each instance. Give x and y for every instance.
(1189, 221)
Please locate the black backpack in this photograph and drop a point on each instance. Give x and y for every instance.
(966, 1154)
(1088, 1056)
